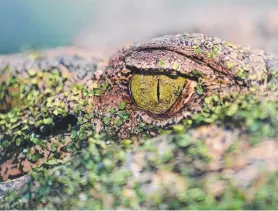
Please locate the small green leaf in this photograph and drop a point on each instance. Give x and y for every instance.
(54, 161)
(175, 66)
(54, 147)
(230, 64)
(232, 110)
(107, 163)
(179, 128)
(62, 140)
(161, 63)
(48, 120)
(18, 141)
(197, 73)
(200, 89)
(126, 142)
(212, 55)
(5, 144)
(184, 141)
(119, 122)
(122, 105)
(112, 111)
(123, 115)
(215, 98)
(106, 120)
(31, 72)
(197, 50)
(119, 177)
(73, 134)
(55, 112)
(241, 74)
(35, 157)
(104, 86)
(97, 92)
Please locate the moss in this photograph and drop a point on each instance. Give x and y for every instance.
(197, 50)
(94, 182)
(104, 175)
(200, 89)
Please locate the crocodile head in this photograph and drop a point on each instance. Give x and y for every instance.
(55, 107)
(171, 79)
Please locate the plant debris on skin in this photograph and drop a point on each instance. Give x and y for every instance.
(72, 128)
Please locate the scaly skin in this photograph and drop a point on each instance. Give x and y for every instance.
(75, 115)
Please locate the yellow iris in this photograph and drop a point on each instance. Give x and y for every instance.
(156, 93)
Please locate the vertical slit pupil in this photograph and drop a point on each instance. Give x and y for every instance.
(158, 90)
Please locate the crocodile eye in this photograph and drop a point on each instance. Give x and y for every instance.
(174, 77)
(156, 93)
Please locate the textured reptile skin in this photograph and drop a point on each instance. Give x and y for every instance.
(93, 96)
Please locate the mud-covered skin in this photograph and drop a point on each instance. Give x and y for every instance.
(228, 104)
